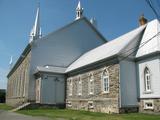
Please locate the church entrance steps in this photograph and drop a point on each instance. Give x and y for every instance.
(21, 107)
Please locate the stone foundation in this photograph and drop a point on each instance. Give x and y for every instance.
(129, 109)
(155, 109)
(104, 106)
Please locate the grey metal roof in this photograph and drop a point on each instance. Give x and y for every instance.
(50, 69)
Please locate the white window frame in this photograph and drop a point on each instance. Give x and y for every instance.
(147, 80)
(91, 84)
(146, 107)
(70, 87)
(105, 76)
(79, 86)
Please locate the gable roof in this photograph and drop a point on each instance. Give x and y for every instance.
(152, 31)
(74, 22)
(109, 49)
(29, 46)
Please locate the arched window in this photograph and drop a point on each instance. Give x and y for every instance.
(79, 86)
(91, 84)
(70, 87)
(147, 79)
(105, 81)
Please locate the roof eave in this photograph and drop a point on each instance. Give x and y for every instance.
(152, 54)
(97, 63)
(41, 71)
(20, 59)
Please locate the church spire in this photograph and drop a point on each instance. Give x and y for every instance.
(36, 30)
(79, 11)
(11, 62)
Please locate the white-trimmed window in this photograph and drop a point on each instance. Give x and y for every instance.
(79, 86)
(148, 104)
(147, 79)
(70, 87)
(91, 84)
(105, 81)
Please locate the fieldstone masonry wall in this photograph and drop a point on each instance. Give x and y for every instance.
(98, 101)
(17, 83)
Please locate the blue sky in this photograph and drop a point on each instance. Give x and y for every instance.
(114, 17)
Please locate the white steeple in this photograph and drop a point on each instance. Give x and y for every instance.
(36, 30)
(79, 11)
(93, 22)
(11, 62)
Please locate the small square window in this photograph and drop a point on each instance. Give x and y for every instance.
(148, 104)
(69, 104)
(90, 105)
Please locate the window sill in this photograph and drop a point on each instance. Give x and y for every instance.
(147, 92)
(90, 94)
(105, 92)
(148, 108)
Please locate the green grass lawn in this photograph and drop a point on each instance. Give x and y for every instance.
(84, 115)
(3, 106)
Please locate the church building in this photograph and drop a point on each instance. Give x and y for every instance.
(77, 67)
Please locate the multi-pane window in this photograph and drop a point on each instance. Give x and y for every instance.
(79, 86)
(91, 84)
(105, 81)
(70, 87)
(147, 79)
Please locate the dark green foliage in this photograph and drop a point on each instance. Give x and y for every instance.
(2, 96)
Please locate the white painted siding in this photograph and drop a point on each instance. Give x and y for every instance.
(128, 83)
(154, 66)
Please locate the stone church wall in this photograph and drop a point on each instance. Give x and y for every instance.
(98, 101)
(17, 83)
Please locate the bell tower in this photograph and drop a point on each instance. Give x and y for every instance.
(36, 30)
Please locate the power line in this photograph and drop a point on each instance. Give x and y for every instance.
(158, 4)
(153, 8)
(141, 45)
(136, 49)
